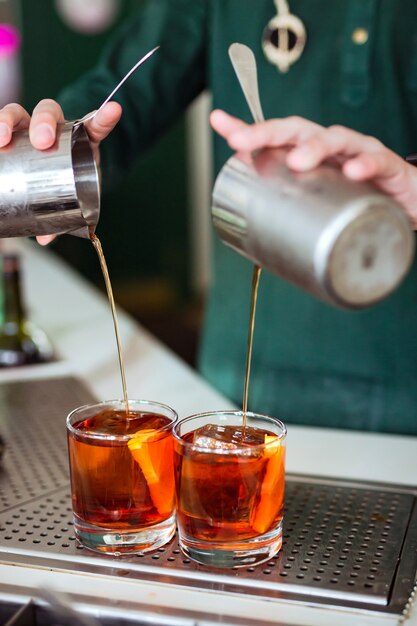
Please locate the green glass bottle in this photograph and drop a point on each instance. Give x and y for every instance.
(21, 343)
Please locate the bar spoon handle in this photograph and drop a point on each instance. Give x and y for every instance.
(244, 64)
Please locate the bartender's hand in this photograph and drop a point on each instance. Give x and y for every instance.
(42, 128)
(361, 157)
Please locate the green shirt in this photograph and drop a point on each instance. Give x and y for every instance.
(312, 364)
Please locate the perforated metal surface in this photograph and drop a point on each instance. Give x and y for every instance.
(32, 423)
(343, 542)
(330, 548)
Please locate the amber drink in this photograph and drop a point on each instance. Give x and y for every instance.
(230, 487)
(122, 482)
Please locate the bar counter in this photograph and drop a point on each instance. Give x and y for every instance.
(76, 317)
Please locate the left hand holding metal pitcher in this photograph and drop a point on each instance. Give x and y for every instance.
(42, 127)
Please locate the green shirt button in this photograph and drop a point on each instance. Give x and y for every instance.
(360, 36)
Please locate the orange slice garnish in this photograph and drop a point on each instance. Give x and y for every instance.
(271, 497)
(154, 454)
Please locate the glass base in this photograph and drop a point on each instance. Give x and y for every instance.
(233, 554)
(119, 542)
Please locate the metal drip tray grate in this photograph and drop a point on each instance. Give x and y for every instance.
(32, 423)
(348, 544)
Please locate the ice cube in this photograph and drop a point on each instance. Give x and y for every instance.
(107, 422)
(214, 437)
(217, 437)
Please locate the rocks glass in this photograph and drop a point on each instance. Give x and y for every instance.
(122, 480)
(230, 487)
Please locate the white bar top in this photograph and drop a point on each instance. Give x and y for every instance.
(77, 318)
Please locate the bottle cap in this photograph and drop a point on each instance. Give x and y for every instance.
(9, 40)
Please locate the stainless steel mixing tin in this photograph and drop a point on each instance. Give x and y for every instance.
(49, 191)
(344, 242)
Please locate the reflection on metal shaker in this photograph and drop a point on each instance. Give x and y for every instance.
(344, 242)
(49, 191)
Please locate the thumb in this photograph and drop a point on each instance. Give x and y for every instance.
(103, 122)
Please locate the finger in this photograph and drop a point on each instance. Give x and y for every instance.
(103, 122)
(43, 240)
(12, 117)
(391, 174)
(362, 167)
(273, 133)
(327, 143)
(381, 166)
(225, 124)
(361, 158)
(45, 117)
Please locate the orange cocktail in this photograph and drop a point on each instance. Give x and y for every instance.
(230, 487)
(122, 482)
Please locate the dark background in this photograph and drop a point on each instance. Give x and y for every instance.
(143, 223)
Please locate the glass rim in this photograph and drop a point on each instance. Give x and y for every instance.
(133, 402)
(228, 412)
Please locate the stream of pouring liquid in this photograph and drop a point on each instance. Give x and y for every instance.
(97, 244)
(254, 296)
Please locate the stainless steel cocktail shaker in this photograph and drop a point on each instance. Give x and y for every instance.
(49, 191)
(344, 242)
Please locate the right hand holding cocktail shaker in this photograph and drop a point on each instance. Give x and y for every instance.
(343, 241)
